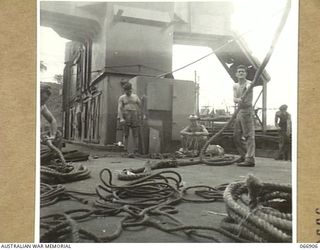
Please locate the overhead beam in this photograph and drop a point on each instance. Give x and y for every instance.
(70, 27)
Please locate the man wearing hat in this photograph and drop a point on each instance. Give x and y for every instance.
(194, 135)
(244, 136)
(129, 112)
(283, 124)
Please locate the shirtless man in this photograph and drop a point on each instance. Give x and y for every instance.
(244, 123)
(129, 112)
(45, 112)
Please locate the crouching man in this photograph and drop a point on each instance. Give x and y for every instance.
(193, 136)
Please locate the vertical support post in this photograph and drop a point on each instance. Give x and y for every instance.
(87, 67)
(197, 94)
(264, 107)
(66, 98)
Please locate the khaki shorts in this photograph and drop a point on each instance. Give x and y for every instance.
(132, 121)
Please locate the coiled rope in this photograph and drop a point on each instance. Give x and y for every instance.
(144, 192)
(151, 202)
(136, 173)
(51, 194)
(63, 228)
(259, 212)
(62, 173)
(55, 174)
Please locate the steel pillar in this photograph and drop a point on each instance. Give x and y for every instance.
(264, 107)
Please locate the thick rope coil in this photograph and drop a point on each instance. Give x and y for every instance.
(54, 174)
(267, 223)
(243, 232)
(62, 173)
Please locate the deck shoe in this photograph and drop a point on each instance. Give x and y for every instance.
(246, 164)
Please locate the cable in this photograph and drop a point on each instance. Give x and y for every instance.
(203, 57)
(61, 173)
(52, 194)
(257, 211)
(215, 50)
(137, 173)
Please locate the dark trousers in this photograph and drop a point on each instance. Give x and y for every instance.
(284, 146)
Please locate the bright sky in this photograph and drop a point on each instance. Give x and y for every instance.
(51, 48)
(255, 21)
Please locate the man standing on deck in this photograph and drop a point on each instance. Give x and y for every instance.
(129, 112)
(244, 137)
(283, 123)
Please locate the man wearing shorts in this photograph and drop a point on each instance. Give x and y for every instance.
(129, 114)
